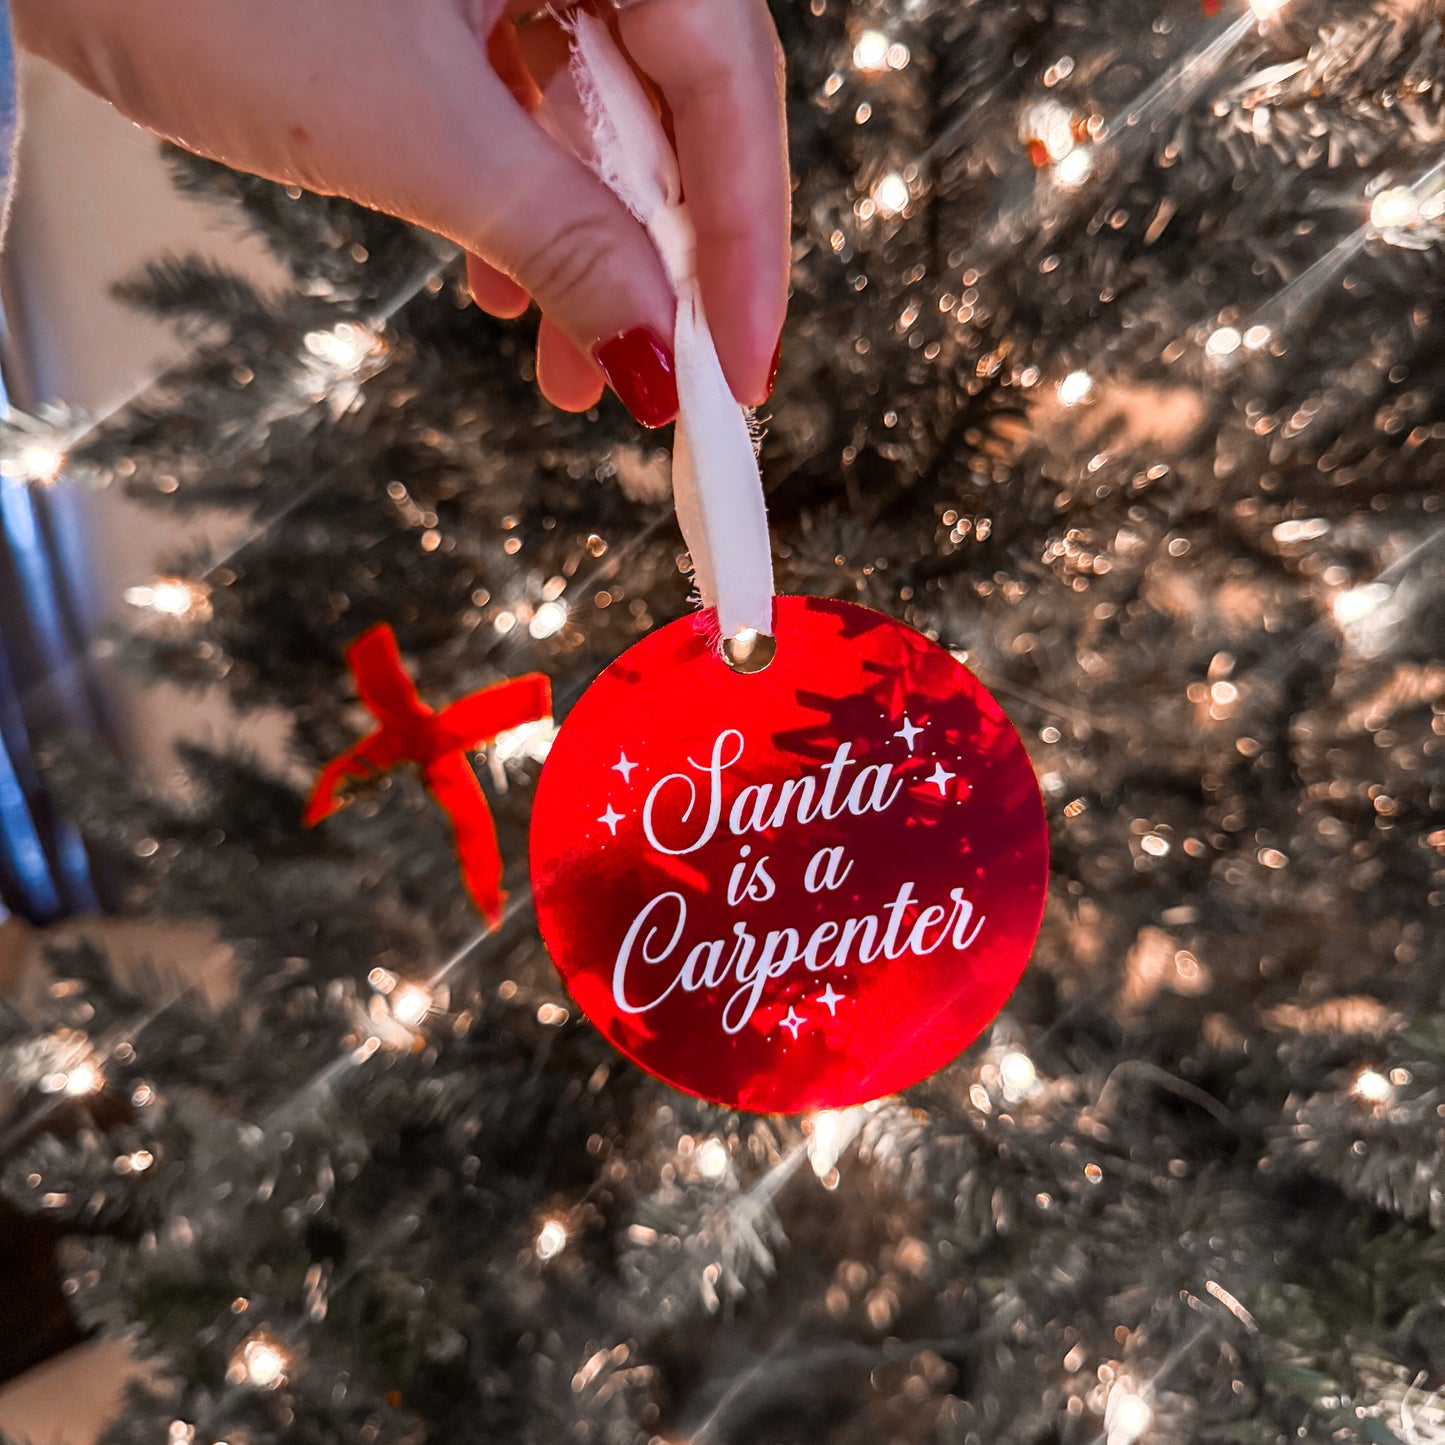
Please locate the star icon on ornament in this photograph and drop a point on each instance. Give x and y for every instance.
(908, 732)
(831, 1000)
(792, 1020)
(612, 818)
(940, 777)
(624, 766)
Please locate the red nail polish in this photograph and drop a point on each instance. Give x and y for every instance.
(773, 367)
(639, 367)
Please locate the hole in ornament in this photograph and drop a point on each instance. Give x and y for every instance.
(749, 651)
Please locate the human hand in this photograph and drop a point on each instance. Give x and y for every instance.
(422, 110)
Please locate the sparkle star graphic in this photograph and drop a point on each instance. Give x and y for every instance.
(908, 731)
(625, 767)
(612, 818)
(831, 1000)
(940, 777)
(792, 1020)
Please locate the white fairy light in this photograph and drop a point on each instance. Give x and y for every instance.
(344, 347)
(1076, 387)
(1357, 603)
(826, 1142)
(549, 619)
(870, 52)
(1018, 1075)
(262, 1360)
(551, 1239)
(1223, 342)
(529, 740)
(1395, 209)
(1050, 126)
(891, 194)
(1256, 338)
(83, 1078)
(39, 462)
(410, 1004)
(1126, 1416)
(1267, 9)
(1299, 529)
(172, 597)
(1075, 168)
(1372, 1087)
(713, 1160)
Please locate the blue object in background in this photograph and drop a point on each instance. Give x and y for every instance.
(44, 871)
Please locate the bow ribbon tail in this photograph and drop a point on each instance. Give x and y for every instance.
(474, 720)
(373, 754)
(455, 787)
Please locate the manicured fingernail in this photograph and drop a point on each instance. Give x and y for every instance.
(773, 367)
(639, 367)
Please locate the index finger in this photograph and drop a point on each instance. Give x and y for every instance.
(719, 67)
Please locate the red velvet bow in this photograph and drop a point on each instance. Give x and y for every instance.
(437, 742)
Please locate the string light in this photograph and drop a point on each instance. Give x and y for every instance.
(549, 619)
(1017, 1075)
(1372, 1087)
(1358, 603)
(1223, 342)
(891, 194)
(1266, 9)
(345, 347)
(261, 1360)
(1075, 168)
(410, 1004)
(179, 597)
(37, 462)
(831, 1132)
(713, 1160)
(1077, 387)
(84, 1078)
(1126, 1416)
(551, 1239)
(870, 53)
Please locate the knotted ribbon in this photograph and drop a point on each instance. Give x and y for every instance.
(717, 489)
(437, 742)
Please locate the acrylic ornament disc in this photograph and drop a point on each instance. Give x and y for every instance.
(799, 888)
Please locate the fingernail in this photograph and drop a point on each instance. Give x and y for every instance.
(773, 367)
(639, 367)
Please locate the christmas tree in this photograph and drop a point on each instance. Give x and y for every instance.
(1112, 364)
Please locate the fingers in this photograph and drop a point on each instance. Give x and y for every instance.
(568, 379)
(544, 220)
(495, 293)
(721, 75)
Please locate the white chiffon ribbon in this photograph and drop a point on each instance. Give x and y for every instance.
(716, 487)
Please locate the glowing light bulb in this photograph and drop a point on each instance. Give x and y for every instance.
(1359, 602)
(832, 1129)
(1074, 168)
(870, 53)
(83, 1078)
(549, 619)
(41, 463)
(344, 347)
(1267, 9)
(262, 1361)
(1394, 209)
(1126, 1416)
(891, 194)
(712, 1160)
(1076, 387)
(172, 597)
(1223, 342)
(551, 1239)
(1256, 338)
(1018, 1075)
(410, 1004)
(1372, 1087)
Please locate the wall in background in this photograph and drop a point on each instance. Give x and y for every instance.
(94, 202)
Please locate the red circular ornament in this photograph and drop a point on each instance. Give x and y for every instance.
(800, 888)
